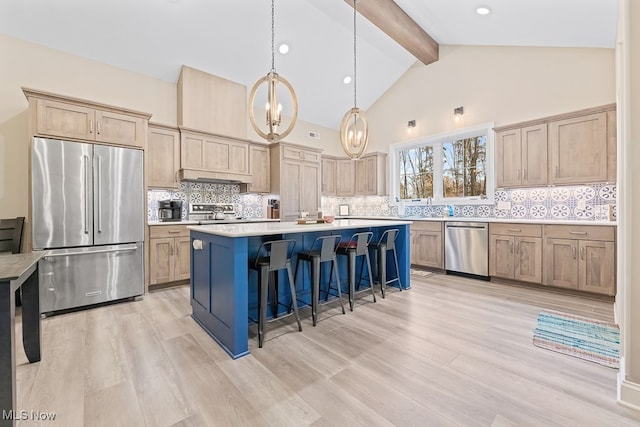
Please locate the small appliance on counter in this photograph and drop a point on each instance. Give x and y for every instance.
(169, 210)
(273, 209)
(210, 213)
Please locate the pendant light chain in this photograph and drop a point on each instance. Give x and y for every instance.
(355, 104)
(273, 36)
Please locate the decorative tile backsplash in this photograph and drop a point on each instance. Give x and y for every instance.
(571, 203)
(245, 205)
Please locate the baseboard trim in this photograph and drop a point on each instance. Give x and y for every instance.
(629, 395)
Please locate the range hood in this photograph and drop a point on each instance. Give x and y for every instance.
(199, 175)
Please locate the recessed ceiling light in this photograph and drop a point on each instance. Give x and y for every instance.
(284, 48)
(347, 80)
(483, 11)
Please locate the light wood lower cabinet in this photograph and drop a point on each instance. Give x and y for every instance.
(169, 254)
(427, 244)
(515, 252)
(580, 257)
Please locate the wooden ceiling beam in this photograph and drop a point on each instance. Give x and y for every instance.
(393, 21)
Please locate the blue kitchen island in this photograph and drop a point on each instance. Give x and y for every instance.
(224, 289)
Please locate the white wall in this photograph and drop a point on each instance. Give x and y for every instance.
(30, 65)
(629, 224)
(494, 84)
(38, 67)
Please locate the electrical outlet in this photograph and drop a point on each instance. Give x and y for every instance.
(314, 135)
(504, 206)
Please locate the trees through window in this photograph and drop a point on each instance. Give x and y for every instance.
(446, 168)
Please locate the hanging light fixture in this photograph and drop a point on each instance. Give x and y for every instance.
(354, 129)
(273, 107)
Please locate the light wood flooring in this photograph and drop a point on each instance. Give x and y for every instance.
(450, 351)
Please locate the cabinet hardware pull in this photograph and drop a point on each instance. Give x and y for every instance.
(510, 247)
(90, 126)
(556, 171)
(582, 253)
(573, 251)
(177, 249)
(98, 127)
(515, 230)
(579, 233)
(175, 177)
(174, 231)
(526, 175)
(170, 249)
(518, 247)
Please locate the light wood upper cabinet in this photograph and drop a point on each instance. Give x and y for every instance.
(521, 156)
(578, 149)
(328, 176)
(580, 257)
(163, 157)
(260, 164)
(211, 104)
(515, 251)
(213, 157)
(345, 178)
(370, 173)
(572, 148)
(76, 119)
(295, 176)
(427, 244)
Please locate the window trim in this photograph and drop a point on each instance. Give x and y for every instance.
(438, 199)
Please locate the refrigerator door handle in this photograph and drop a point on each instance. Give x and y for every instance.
(99, 194)
(120, 249)
(85, 161)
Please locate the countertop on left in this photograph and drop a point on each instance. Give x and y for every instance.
(221, 221)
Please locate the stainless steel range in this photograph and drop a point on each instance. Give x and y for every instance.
(210, 213)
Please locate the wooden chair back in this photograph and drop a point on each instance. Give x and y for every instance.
(11, 234)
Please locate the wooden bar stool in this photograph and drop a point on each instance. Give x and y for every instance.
(323, 249)
(277, 256)
(386, 243)
(357, 246)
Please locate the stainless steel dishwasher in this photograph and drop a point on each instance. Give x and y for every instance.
(466, 247)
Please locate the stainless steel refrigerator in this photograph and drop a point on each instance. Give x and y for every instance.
(88, 211)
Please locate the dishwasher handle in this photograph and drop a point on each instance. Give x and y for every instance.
(474, 227)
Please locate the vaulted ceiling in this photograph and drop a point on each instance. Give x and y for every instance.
(232, 38)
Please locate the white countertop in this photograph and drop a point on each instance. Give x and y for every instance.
(271, 228)
(489, 220)
(222, 221)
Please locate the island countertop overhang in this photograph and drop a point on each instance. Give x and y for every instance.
(273, 228)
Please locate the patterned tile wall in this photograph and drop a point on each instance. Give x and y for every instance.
(583, 203)
(246, 205)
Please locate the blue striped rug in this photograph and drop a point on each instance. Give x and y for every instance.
(589, 339)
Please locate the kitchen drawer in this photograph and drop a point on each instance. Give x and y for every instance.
(165, 231)
(528, 230)
(298, 154)
(426, 226)
(581, 232)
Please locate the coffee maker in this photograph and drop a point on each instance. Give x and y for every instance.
(169, 210)
(273, 209)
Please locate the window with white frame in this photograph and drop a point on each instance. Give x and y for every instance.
(451, 168)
